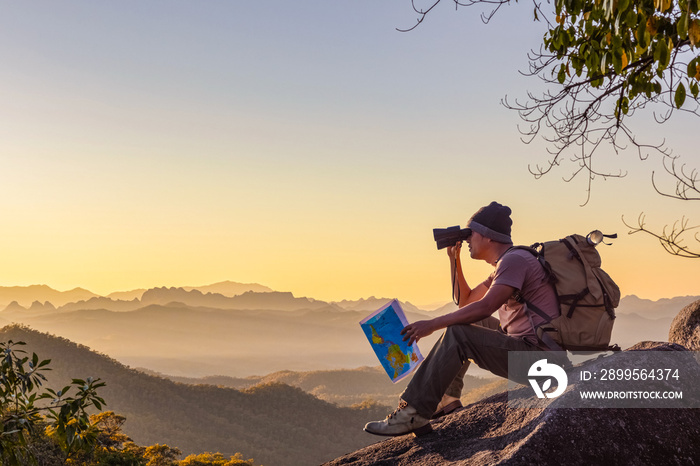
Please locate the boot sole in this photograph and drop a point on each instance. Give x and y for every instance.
(426, 429)
(449, 409)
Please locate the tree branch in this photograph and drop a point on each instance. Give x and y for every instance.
(670, 239)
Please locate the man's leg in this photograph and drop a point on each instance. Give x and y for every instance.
(488, 348)
(454, 390)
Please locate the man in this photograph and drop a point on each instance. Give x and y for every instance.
(471, 332)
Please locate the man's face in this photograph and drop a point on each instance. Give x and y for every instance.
(477, 244)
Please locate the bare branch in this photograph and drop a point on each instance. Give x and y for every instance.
(687, 183)
(670, 238)
(421, 15)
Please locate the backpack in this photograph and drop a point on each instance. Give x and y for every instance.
(587, 295)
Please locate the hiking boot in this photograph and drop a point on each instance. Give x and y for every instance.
(404, 420)
(448, 405)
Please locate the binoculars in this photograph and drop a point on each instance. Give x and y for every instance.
(445, 237)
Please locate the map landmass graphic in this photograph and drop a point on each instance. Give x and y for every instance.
(383, 331)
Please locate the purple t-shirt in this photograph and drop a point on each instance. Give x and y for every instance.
(522, 271)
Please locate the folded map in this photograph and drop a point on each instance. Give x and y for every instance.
(383, 330)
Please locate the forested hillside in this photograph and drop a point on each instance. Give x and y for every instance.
(342, 387)
(274, 423)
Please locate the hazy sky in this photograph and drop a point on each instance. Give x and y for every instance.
(307, 146)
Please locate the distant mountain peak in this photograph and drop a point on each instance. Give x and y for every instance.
(372, 304)
(38, 306)
(26, 295)
(230, 288)
(79, 290)
(14, 306)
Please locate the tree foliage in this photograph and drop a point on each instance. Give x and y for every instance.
(55, 428)
(604, 61)
(26, 407)
(259, 423)
(215, 459)
(161, 455)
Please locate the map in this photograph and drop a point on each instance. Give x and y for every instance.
(383, 330)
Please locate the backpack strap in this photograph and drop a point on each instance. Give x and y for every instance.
(547, 340)
(572, 300)
(544, 337)
(535, 251)
(553, 345)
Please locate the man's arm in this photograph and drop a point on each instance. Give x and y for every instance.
(494, 298)
(461, 290)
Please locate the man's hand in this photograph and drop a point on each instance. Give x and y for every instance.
(417, 330)
(453, 251)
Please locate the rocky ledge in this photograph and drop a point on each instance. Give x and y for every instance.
(490, 432)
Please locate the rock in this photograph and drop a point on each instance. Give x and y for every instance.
(656, 346)
(490, 432)
(685, 328)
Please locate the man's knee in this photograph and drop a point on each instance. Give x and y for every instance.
(453, 335)
(466, 339)
(464, 332)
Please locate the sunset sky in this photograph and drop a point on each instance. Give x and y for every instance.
(307, 146)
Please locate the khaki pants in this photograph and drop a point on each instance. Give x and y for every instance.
(443, 369)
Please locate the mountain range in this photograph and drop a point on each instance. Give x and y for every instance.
(221, 295)
(192, 332)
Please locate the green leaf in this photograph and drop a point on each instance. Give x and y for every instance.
(682, 26)
(679, 98)
(694, 89)
(641, 35)
(617, 63)
(661, 55)
(657, 51)
(561, 76)
(70, 435)
(616, 42)
(692, 68)
(666, 51)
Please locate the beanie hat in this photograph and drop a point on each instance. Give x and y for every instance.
(492, 221)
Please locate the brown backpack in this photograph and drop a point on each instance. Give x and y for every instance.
(587, 295)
